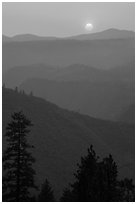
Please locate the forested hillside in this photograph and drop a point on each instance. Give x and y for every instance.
(61, 137)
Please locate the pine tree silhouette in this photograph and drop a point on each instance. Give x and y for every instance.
(107, 175)
(83, 189)
(96, 181)
(16, 89)
(46, 194)
(18, 175)
(67, 196)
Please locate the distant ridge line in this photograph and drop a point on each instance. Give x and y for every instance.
(111, 33)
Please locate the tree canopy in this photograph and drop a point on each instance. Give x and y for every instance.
(97, 181)
(18, 175)
(46, 193)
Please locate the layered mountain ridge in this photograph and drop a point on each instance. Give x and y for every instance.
(104, 50)
(61, 137)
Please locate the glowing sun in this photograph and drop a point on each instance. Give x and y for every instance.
(89, 26)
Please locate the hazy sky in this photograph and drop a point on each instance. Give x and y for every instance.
(65, 19)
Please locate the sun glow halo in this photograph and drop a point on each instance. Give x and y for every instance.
(89, 26)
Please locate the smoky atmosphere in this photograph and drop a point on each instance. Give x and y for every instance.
(68, 102)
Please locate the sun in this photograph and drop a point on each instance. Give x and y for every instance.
(88, 26)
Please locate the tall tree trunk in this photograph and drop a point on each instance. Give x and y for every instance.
(18, 169)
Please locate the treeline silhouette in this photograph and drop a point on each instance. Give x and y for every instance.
(96, 180)
(18, 91)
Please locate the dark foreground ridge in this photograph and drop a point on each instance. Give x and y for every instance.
(61, 137)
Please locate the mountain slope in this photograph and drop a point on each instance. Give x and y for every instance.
(5, 38)
(96, 92)
(60, 137)
(101, 99)
(95, 53)
(106, 34)
(17, 75)
(25, 37)
(76, 72)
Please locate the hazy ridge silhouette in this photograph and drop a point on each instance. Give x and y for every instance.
(95, 72)
(103, 52)
(60, 137)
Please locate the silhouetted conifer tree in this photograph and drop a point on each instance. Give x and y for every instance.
(46, 194)
(96, 181)
(107, 176)
(18, 175)
(67, 196)
(83, 189)
(16, 89)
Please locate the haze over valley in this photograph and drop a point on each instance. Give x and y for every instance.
(91, 75)
(68, 97)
